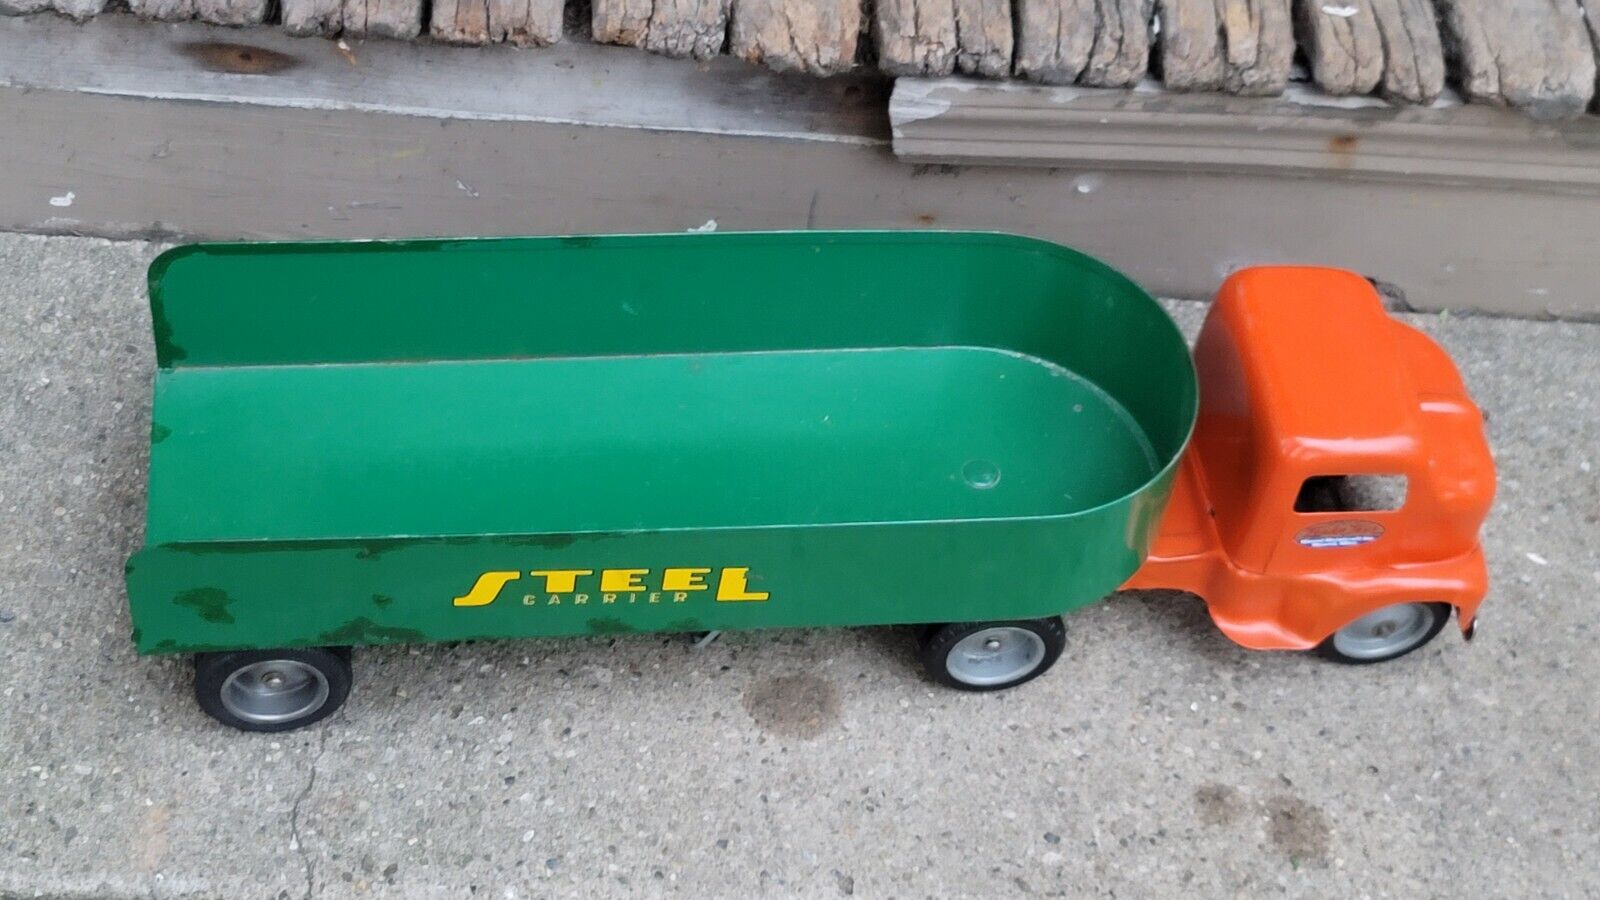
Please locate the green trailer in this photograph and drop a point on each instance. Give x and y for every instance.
(447, 440)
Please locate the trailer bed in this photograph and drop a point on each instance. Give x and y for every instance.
(633, 443)
(448, 440)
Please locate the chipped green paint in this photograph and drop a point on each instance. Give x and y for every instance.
(595, 405)
(360, 549)
(210, 603)
(610, 625)
(363, 630)
(168, 353)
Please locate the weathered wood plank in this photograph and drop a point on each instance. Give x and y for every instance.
(400, 19)
(303, 18)
(1358, 46)
(1413, 63)
(525, 23)
(937, 37)
(1533, 54)
(80, 10)
(1054, 38)
(1188, 55)
(22, 7)
(1121, 51)
(164, 10)
(1342, 43)
(1241, 46)
(818, 37)
(1101, 43)
(915, 37)
(1591, 17)
(217, 12)
(984, 37)
(681, 28)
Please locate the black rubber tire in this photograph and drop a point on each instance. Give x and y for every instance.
(937, 641)
(211, 671)
(1441, 616)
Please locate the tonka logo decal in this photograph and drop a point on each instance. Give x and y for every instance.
(1339, 533)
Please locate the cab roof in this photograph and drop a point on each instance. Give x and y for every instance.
(1328, 368)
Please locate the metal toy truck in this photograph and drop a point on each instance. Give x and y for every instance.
(363, 443)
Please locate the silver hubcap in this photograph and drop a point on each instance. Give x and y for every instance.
(274, 690)
(995, 656)
(1385, 632)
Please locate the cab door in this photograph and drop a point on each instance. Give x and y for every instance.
(1340, 520)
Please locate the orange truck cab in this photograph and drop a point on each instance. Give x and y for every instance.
(1338, 475)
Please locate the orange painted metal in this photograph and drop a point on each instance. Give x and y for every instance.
(1303, 374)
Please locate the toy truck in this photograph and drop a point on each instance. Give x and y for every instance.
(367, 443)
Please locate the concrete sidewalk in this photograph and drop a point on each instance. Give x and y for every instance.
(1157, 758)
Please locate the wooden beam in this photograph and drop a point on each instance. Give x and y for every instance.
(421, 138)
(945, 122)
(1532, 54)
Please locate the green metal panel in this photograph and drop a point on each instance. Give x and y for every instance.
(864, 427)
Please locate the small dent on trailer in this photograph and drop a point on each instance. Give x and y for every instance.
(980, 474)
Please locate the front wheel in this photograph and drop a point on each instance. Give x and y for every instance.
(272, 690)
(1387, 633)
(992, 656)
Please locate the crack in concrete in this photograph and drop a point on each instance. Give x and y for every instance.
(295, 841)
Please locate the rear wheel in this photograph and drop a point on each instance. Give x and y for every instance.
(992, 656)
(272, 690)
(1387, 633)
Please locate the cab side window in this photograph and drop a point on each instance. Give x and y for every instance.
(1351, 493)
